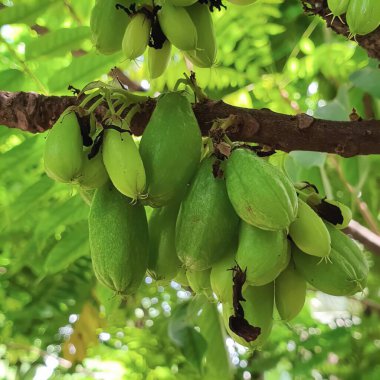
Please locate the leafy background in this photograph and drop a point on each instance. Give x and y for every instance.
(57, 322)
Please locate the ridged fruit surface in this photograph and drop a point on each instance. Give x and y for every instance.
(170, 148)
(264, 254)
(344, 273)
(118, 233)
(309, 232)
(261, 194)
(207, 223)
(290, 292)
(63, 154)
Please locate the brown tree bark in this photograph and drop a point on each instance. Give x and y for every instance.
(34, 113)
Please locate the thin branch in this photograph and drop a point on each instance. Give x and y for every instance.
(362, 206)
(36, 113)
(369, 239)
(370, 42)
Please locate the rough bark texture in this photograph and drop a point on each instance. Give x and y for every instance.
(370, 42)
(36, 113)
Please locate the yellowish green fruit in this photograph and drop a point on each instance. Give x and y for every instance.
(93, 174)
(363, 16)
(123, 163)
(309, 232)
(221, 278)
(63, 154)
(158, 59)
(178, 27)
(258, 311)
(290, 292)
(264, 254)
(260, 193)
(136, 36)
(346, 213)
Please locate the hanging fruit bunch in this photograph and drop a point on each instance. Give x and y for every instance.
(225, 221)
(362, 16)
(135, 27)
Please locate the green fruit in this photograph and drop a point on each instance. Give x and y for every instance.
(178, 27)
(264, 254)
(170, 148)
(338, 7)
(290, 292)
(260, 193)
(205, 53)
(118, 233)
(163, 260)
(122, 160)
(93, 173)
(221, 278)
(199, 281)
(107, 25)
(158, 59)
(258, 311)
(207, 224)
(63, 155)
(136, 36)
(181, 277)
(309, 232)
(363, 16)
(344, 273)
(345, 211)
(242, 2)
(182, 3)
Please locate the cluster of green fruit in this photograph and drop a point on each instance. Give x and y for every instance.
(229, 225)
(362, 16)
(134, 26)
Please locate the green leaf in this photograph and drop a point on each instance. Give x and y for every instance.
(73, 244)
(31, 196)
(217, 363)
(11, 80)
(367, 79)
(57, 42)
(308, 159)
(183, 334)
(82, 70)
(24, 12)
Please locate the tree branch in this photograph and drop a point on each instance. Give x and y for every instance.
(370, 42)
(369, 239)
(36, 113)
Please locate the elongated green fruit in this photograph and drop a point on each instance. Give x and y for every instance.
(118, 233)
(290, 292)
(261, 194)
(345, 273)
(122, 160)
(199, 281)
(93, 174)
(363, 16)
(221, 278)
(205, 53)
(178, 27)
(207, 224)
(136, 36)
(346, 213)
(309, 232)
(108, 25)
(338, 7)
(158, 59)
(264, 254)
(63, 154)
(182, 3)
(258, 311)
(164, 263)
(170, 148)
(242, 2)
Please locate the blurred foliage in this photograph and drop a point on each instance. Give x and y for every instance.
(57, 322)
